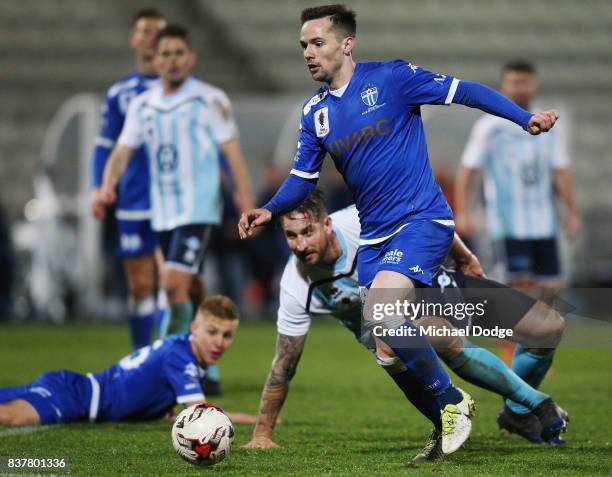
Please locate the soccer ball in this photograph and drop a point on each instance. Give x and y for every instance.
(203, 434)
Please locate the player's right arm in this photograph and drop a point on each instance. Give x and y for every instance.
(300, 183)
(288, 352)
(472, 159)
(127, 144)
(110, 127)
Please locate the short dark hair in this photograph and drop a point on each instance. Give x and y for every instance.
(313, 206)
(174, 31)
(220, 307)
(519, 66)
(342, 17)
(147, 13)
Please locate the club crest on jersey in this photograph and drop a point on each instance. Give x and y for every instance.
(321, 120)
(369, 95)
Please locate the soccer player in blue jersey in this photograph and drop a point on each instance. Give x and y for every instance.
(144, 385)
(136, 239)
(320, 279)
(185, 125)
(367, 117)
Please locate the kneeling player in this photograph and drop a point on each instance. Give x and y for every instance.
(144, 385)
(320, 279)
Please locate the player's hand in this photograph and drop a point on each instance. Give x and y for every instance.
(252, 219)
(260, 442)
(108, 194)
(542, 122)
(471, 267)
(97, 205)
(572, 225)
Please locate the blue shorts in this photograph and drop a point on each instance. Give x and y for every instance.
(416, 251)
(533, 258)
(136, 238)
(58, 396)
(184, 246)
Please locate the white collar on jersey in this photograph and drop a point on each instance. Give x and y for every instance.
(340, 91)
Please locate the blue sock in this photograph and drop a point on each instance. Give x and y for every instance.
(141, 320)
(178, 319)
(532, 368)
(12, 393)
(420, 397)
(420, 359)
(484, 369)
(213, 373)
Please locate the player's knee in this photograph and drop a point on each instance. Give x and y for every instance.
(391, 364)
(447, 347)
(141, 287)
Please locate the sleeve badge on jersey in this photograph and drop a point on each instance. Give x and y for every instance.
(223, 110)
(321, 120)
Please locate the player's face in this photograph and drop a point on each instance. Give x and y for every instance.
(174, 60)
(323, 51)
(308, 239)
(212, 336)
(142, 38)
(521, 87)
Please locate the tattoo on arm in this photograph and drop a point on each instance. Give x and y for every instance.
(288, 353)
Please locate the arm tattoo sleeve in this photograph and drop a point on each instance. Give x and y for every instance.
(288, 353)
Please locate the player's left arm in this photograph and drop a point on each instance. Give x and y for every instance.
(244, 194)
(465, 259)
(564, 188)
(418, 86)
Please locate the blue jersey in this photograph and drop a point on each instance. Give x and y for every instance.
(133, 195)
(375, 136)
(145, 384)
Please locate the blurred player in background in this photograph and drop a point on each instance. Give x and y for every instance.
(136, 238)
(367, 117)
(524, 176)
(144, 385)
(321, 279)
(185, 125)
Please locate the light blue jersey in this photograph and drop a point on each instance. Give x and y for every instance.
(518, 174)
(182, 133)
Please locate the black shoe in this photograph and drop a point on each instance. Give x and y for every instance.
(211, 388)
(525, 425)
(553, 419)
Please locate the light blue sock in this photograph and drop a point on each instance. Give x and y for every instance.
(484, 369)
(178, 319)
(532, 368)
(141, 319)
(213, 373)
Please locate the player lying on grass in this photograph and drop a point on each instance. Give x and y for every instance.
(320, 279)
(144, 385)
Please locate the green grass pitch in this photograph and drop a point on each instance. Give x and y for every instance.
(343, 415)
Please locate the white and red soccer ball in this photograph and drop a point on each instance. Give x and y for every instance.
(203, 434)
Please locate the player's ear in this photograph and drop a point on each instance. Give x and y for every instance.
(347, 45)
(327, 224)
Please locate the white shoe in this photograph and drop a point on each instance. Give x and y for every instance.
(456, 423)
